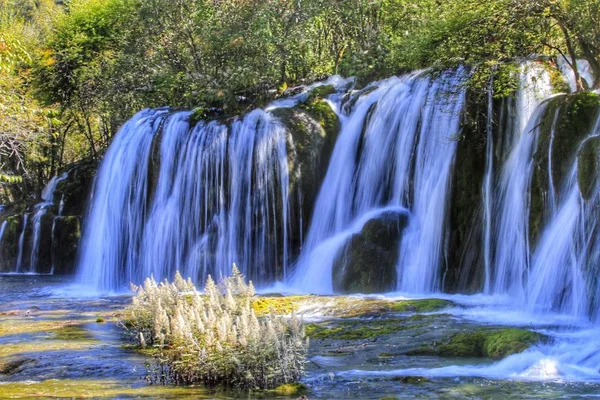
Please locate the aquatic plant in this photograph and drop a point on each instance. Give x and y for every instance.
(215, 337)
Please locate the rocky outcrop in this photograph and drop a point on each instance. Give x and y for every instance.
(567, 121)
(588, 166)
(58, 226)
(465, 256)
(312, 129)
(367, 263)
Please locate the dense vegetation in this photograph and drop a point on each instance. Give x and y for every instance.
(72, 71)
(215, 337)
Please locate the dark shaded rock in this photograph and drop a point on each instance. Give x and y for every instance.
(465, 256)
(367, 263)
(588, 165)
(10, 240)
(74, 191)
(14, 366)
(44, 253)
(67, 232)
(567, 121)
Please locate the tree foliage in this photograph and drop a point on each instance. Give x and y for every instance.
(74, 71)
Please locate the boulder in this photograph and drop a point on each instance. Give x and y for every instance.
(367, 263)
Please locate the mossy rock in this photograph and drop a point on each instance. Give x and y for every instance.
(312, 132)
(557, 79)
(420, 306)
(588, 166)
(320, 92)
(465, 238)
(367, 263)
(571, 118)
(498, 343)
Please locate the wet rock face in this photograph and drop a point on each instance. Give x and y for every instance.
(312, 130)
(59, 226)
(588, 165)
(67, 232)
(367, 263)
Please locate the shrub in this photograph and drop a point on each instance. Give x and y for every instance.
(215, 337)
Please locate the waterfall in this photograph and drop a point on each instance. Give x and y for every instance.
(395, 149)
(40, 210)
(219, 196)
(509, 230)
(566, 251)
(487, 188)
(21, 248)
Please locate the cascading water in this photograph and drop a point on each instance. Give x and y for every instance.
(219, 197)
(507, 232)
(40, 210)
(403, 131)
(19, 265)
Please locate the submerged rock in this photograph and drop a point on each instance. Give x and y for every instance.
(367, 263)
(497, 343)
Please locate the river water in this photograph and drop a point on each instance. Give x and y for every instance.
(59, 347)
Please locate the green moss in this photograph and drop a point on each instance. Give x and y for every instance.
(557, 79)
(425, 305)
(290, 389)
(198, 114)
(84, 389)
(19, 326)
(71, 333)
(483, 343)
(354, 330)
(7, 350)
(320, 92)
(322, 112)
(100, 320)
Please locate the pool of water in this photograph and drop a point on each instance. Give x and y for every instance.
(57, 342)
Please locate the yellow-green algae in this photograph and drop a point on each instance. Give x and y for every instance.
(344, 306)
(290, 389)
(85, 389)
(39, 346)
(277, 305)
(19, 326)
